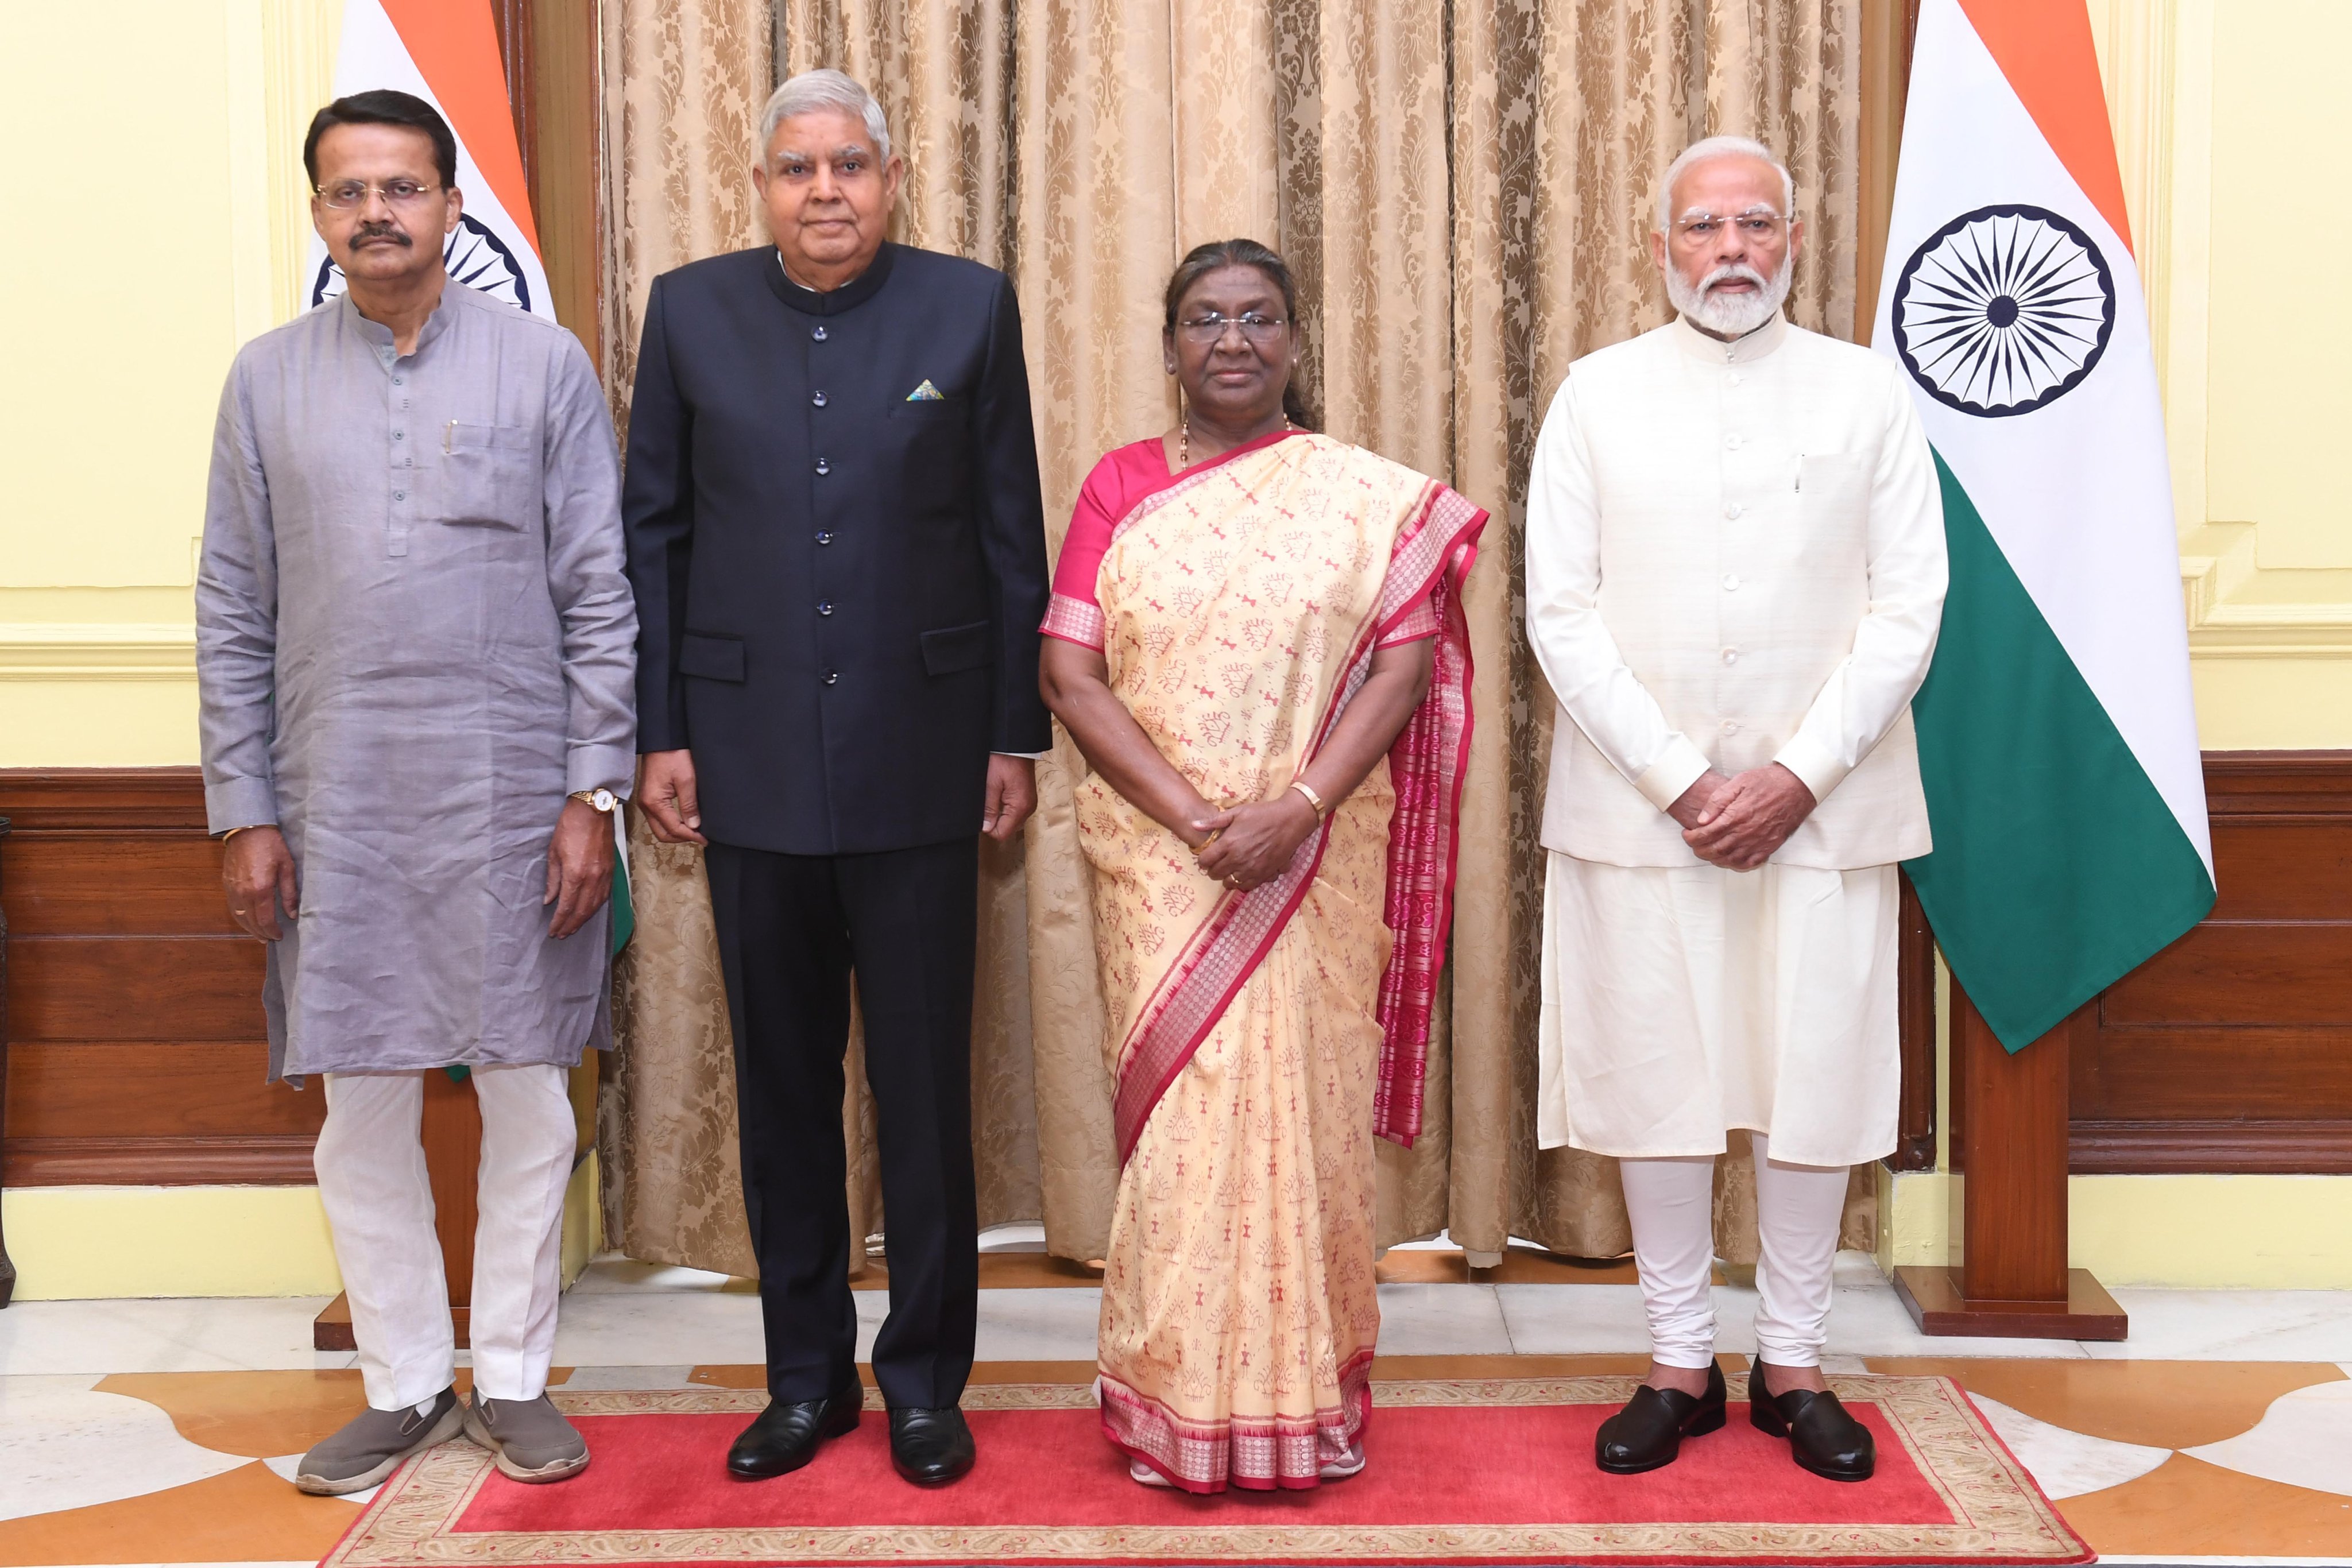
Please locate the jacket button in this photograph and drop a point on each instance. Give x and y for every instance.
(817, 398)
(825, 538)
(831, 676)
(818, 332)
(1731, 655)
(823, 466)
(825, 609)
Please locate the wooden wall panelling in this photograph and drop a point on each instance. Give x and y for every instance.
(2232, 1050)
(7, 1268)
(137, 1047)
(551, 54)
(1915, 1003)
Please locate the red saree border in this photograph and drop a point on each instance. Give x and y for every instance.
(1426, 767)
(1253, 1453)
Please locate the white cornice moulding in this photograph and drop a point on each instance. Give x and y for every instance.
(97, 651)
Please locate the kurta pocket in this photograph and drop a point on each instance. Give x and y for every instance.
(489, 475)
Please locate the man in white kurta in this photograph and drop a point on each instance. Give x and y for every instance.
(1734, 574)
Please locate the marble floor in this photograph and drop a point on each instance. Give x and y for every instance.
(158, 1432)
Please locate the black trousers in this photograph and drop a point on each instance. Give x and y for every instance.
(791, 928)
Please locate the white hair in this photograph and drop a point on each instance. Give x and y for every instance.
(1722, 147)
(813, 92)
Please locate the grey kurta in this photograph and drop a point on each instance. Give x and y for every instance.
(413, 638)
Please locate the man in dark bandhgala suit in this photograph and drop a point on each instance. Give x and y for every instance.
(837, 545)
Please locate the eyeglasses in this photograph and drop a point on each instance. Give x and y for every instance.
(346, 195)
(1753, 224)
(1756, 223)
(1210, 328)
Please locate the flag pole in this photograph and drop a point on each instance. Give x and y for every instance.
(2008, 1163)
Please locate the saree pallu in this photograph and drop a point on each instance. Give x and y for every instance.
(1265, 1038)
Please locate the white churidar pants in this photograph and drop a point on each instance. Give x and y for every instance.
(373, 1182)
(1671, 1205)
(1681, 1001)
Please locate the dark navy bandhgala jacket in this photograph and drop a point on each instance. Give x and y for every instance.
(839, 575)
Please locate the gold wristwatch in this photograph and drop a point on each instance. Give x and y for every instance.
(600, 799)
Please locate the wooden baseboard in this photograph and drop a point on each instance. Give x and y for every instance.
(1933, 1297)
(332, 1329)
(2236, 1148)
(259, 1160)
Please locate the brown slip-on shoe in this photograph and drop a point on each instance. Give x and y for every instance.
(529, 1439)
(370, 1447)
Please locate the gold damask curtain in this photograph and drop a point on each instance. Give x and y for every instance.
(1462, 190)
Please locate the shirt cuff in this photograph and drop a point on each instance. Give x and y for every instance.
(1669, 776)
(1820, 769)
(239, 803)
(1025, 755)
(609, 767)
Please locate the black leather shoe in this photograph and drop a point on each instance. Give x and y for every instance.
(1822, 1436)
(929, 1448)
(1648, 1433)
(784, 1436)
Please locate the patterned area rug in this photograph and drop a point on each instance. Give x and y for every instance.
(1496, 1471)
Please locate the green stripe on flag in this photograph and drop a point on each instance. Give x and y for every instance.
(2058, 869)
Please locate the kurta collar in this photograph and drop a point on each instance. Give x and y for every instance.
(848, 296)
(1746, 350)
(378, 336)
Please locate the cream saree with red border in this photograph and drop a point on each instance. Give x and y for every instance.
(1265, 1038)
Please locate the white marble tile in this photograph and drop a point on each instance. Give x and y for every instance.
(1573, 1319)
(2303, 1439)
(282, 1466)
(1845, 1365)
(613, 1275)
(2232, 1326)
(2064, 1463)
(63, 1448)
(659, 1329)
(1442, 1319)
(1048, 1324)
(235, 1334)
(602, 1379)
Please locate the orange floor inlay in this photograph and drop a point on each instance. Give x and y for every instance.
(2187, 1508)
(2160, 1404)
(243, 1515)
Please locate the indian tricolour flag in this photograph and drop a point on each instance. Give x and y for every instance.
(2057, 736)
(446, 53)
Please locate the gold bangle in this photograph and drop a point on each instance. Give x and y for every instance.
(246, 829)
(1202, 847)
(1313, 799)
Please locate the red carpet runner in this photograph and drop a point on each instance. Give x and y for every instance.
(1461, 1472)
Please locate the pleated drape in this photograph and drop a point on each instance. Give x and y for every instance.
(1464, 192)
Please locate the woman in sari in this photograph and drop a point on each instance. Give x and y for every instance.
(1256, 640)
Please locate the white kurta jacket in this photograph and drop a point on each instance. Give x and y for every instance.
(1735, 555)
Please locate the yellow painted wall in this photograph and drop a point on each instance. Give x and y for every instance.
(74, 1243)
(161, 238)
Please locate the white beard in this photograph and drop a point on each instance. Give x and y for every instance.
(1732, 315)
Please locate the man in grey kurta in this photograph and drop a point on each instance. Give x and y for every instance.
(415, 641)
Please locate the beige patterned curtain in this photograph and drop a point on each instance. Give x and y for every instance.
(1463, 192)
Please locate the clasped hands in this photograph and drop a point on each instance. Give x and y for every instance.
(1739, 821)
(1251, 845)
